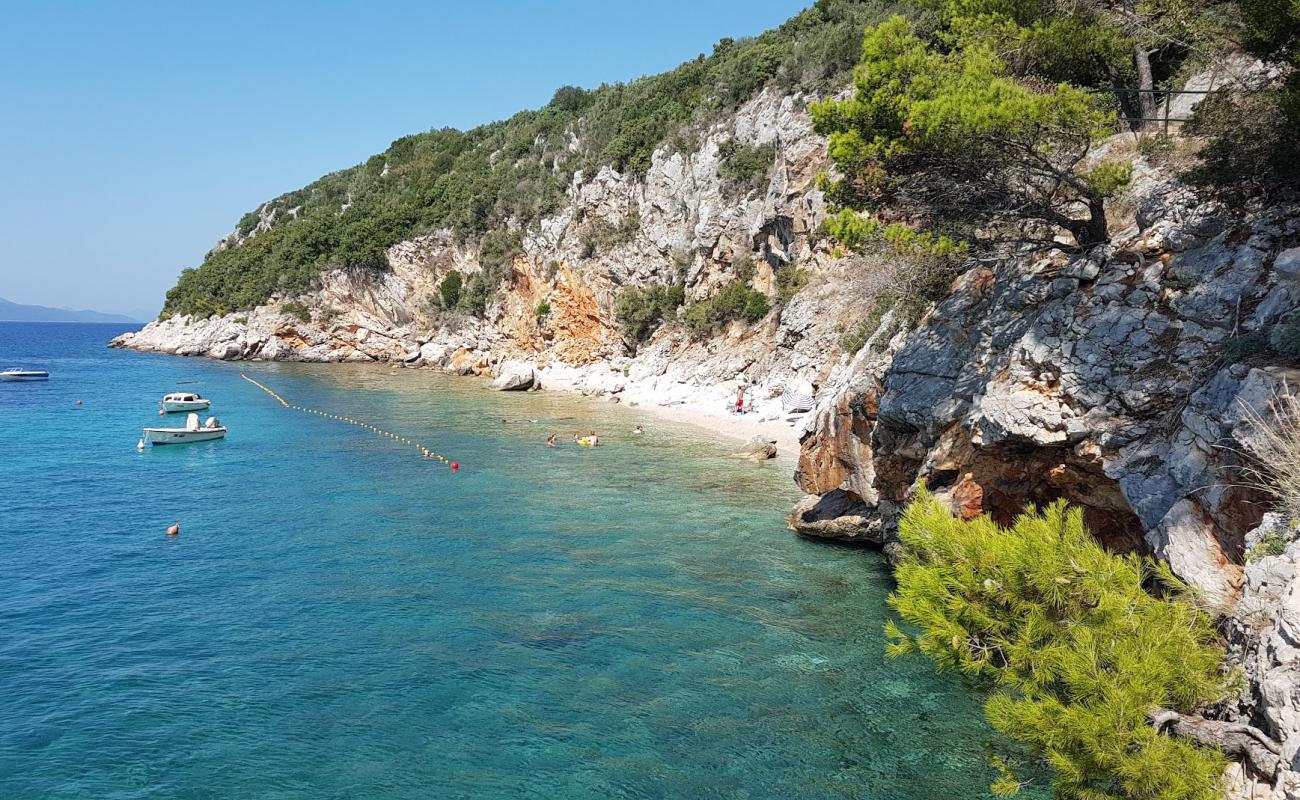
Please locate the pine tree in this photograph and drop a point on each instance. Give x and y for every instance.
(1077, 654)
(942, 133)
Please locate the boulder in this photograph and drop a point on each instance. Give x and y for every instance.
(275, 349)
(225, 351)
(514, 376)
(461, 362)
(838, 515)
(758, 448)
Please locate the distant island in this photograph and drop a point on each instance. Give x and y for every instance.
(17, 312)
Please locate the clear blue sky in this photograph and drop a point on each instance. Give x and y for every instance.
(134, 135)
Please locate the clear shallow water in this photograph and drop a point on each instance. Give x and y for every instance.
(340, 618)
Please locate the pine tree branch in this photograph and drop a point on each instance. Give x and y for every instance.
(1243, 742)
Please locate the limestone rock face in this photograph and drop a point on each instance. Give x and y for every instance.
(1094, 377)
(1264, 634)
(554, 306)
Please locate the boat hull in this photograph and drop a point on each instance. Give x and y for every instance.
(194, 405)
(157, 436)
(24, 376)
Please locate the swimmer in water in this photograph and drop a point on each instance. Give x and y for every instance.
(550, 440)
(640, 429)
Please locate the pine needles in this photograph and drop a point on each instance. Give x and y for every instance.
(1077, 653)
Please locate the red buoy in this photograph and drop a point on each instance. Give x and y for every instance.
(455, 465)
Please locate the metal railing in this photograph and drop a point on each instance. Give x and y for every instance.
(1167, 94)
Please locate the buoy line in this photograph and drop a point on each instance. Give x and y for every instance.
(425, 451)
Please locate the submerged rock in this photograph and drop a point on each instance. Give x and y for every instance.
(758, 448)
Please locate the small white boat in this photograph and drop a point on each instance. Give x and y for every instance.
(192, 432)
(185, 401)
(24, 375)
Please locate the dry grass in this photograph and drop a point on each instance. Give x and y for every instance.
(1277, 450)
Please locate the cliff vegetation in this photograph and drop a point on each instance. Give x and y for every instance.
(494, 179)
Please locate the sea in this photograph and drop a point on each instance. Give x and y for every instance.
(342, 617)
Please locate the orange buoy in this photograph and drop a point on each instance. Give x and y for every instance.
(174, 530)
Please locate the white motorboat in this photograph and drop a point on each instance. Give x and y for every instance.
(185, 401)
(192, 432)
(24, 375)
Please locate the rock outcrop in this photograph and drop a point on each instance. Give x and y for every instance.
(1119, 379)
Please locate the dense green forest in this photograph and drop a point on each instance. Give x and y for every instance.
(474, 181)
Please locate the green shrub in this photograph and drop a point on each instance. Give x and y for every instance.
(600, 235)
(296, 309)
(1243, 346)
(733, 301)
(1245, 160)
(641, 311)
(1273, 544)
(1156, 147)
(744, 168)
(1288, 339)
(1071, 646)
(857, 337)
(248, 222)
(756, 306)
(499, 247)
(480, 289)
(790, 280)
(449, 288)
(543, 308)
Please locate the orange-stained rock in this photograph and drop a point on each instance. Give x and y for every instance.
(574, 331)
(967, 497)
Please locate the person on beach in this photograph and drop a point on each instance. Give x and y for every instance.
(550, 440)
(740, 400)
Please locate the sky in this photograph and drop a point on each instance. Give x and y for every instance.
(134, 135)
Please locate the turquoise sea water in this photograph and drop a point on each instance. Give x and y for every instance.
(340, 618)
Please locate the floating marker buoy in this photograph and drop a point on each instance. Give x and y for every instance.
(140, 445)
(455, 465)
(174, 530)
(78, 402)
(161, 412)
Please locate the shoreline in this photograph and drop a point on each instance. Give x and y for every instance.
(737, 429)
(694, 406)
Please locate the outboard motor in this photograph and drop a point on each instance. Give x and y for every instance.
(212, 422)
(192, 422)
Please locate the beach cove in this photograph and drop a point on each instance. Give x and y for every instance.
(340, 617)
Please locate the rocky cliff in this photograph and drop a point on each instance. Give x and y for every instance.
(683, 223)
(1120, 379)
